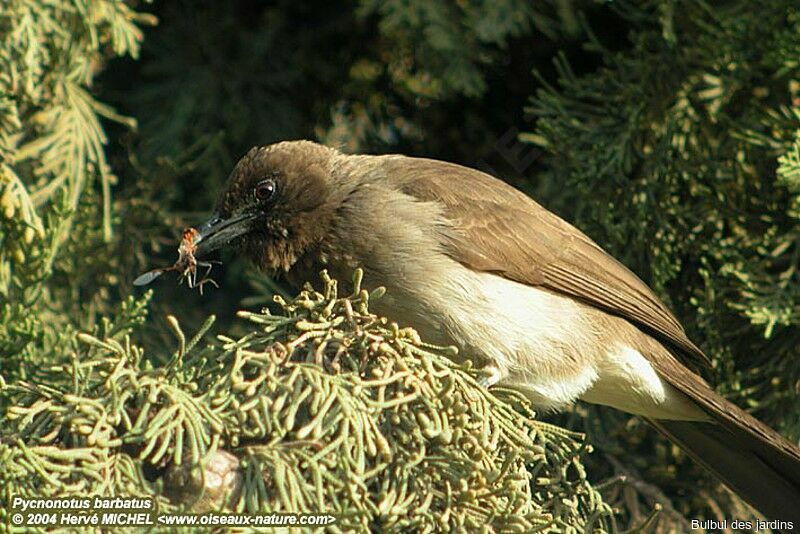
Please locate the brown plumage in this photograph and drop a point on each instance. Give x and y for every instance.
(470, 261)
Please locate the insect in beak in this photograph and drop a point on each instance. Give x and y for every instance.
(186, 264)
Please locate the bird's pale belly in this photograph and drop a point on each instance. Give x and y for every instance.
(552, 348)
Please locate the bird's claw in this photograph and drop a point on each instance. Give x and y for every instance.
(494, 375)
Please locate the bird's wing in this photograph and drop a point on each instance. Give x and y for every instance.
(499, 229)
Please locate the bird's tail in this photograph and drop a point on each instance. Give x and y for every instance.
(758, 468)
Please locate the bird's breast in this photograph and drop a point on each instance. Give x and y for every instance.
(540, 342)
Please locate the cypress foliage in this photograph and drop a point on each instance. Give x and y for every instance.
(55, 180)
(322, 408)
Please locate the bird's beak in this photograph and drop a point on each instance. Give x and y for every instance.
(218, 231)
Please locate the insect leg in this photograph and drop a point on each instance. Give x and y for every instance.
(205, 281)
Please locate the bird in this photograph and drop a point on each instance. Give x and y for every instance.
(470, 261)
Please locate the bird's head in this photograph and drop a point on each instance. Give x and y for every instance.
(275, 205)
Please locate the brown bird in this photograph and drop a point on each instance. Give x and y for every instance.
(470, 261)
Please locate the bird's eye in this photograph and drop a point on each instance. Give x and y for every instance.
(265, 189)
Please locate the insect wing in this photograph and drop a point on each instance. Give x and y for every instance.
(148, 277)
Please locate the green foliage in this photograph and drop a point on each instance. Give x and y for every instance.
(432, 55)
(55, 181)
(324, 407)
(368, 76)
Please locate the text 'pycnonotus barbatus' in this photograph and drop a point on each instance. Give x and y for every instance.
(470, 261)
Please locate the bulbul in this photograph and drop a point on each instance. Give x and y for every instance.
(470, 261)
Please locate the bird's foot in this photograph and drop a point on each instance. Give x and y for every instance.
(494, 375)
